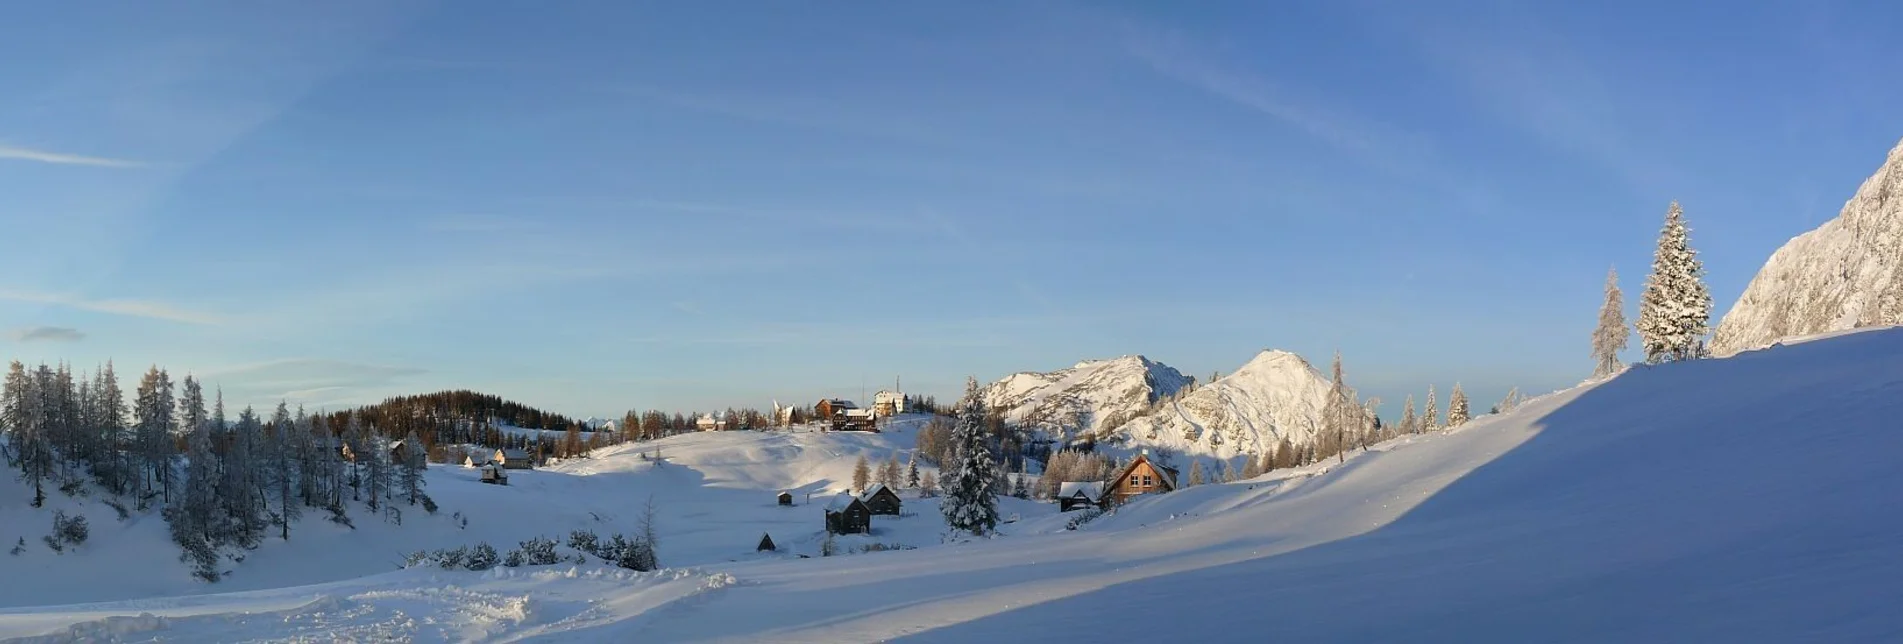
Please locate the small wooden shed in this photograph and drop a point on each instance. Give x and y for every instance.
(1079, 494)
(766, 543)
(881, 499)
(785, 498)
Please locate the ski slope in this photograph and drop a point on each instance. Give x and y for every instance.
(1752, 498)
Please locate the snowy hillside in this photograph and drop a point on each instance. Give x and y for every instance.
(1276, 395)
(1847, 273)
(1742, 499)
(713, 495)
(1086, 398)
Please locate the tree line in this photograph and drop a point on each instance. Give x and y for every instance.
(223, 485)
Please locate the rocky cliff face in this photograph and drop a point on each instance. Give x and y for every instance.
(1085, 398)
(1276, 395)
(1845, 274)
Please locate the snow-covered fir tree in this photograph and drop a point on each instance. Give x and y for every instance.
(970, 504)
(282, 471)
(1510, 402)
(242, 490)
(23, 412)
(193, 521)
(911, 471)
(377, 476)
(1675, 309)
(152, 437)
(1457, 412)
(1410, 424)
(1196, 472)
(1430, 419)
(410, 473)
(1611, 335)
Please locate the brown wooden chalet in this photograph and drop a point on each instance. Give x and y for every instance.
(1140, 477)
(784, 498)
(881, 499)
(848, 515)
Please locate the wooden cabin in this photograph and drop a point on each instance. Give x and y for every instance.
(831, 408)
(848, 515)
(495, 474)
(1080, 494)
(400, 453)
(514, 459)
(785, 498)
(881, 499)
(1138, 478)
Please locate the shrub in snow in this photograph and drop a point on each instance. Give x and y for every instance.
(482, 557)
(119, 508)
(429, 504)
(451, 559)
(513, 560)
(19, 547)
(67, 531)
(339, 517)
(539, 551)
(882, 547)
(586, 541)
(1080, 518)
(634, 554)
(417, 558)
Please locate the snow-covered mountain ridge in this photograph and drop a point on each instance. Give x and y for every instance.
(1274, 396)
(1847, 273)
(1085, 398)
(1134, 402)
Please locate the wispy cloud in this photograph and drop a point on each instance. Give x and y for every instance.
(1369, 141)
(132, 308)
(470, 223)
(62, 158)
(309, 381)
(48, 334)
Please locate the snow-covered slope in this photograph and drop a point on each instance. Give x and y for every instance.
(1847, 273)
(1093, 395)
(1742, 499)
(1275, 395)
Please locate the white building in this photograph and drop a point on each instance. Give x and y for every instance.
(888, 403)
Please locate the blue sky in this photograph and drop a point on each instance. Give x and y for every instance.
(592, 206)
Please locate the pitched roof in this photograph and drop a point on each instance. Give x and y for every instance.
(514, 453)
(875, 489)
(1168, 474)
(841, 502)
(1090, 489)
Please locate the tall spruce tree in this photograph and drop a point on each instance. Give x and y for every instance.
(970, 502)
(411, 469)
(242, 492)
(1675, 309)
(1430, 419)
(1410, 424)
(1611, 335)
(1457, 412)
(153, 436)
(282, 475)
(112, 431)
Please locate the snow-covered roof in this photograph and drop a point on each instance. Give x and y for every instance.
(1090, 489)
(875, 489)
(514, 453)
(841, 403)
(841, 502)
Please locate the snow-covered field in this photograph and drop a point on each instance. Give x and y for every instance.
(1745, 499)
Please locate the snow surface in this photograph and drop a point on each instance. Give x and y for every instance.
(1847, 273)
(1743, 499)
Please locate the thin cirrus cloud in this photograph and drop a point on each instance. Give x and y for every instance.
(63, 158)
(132, 308)
(48, 334)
